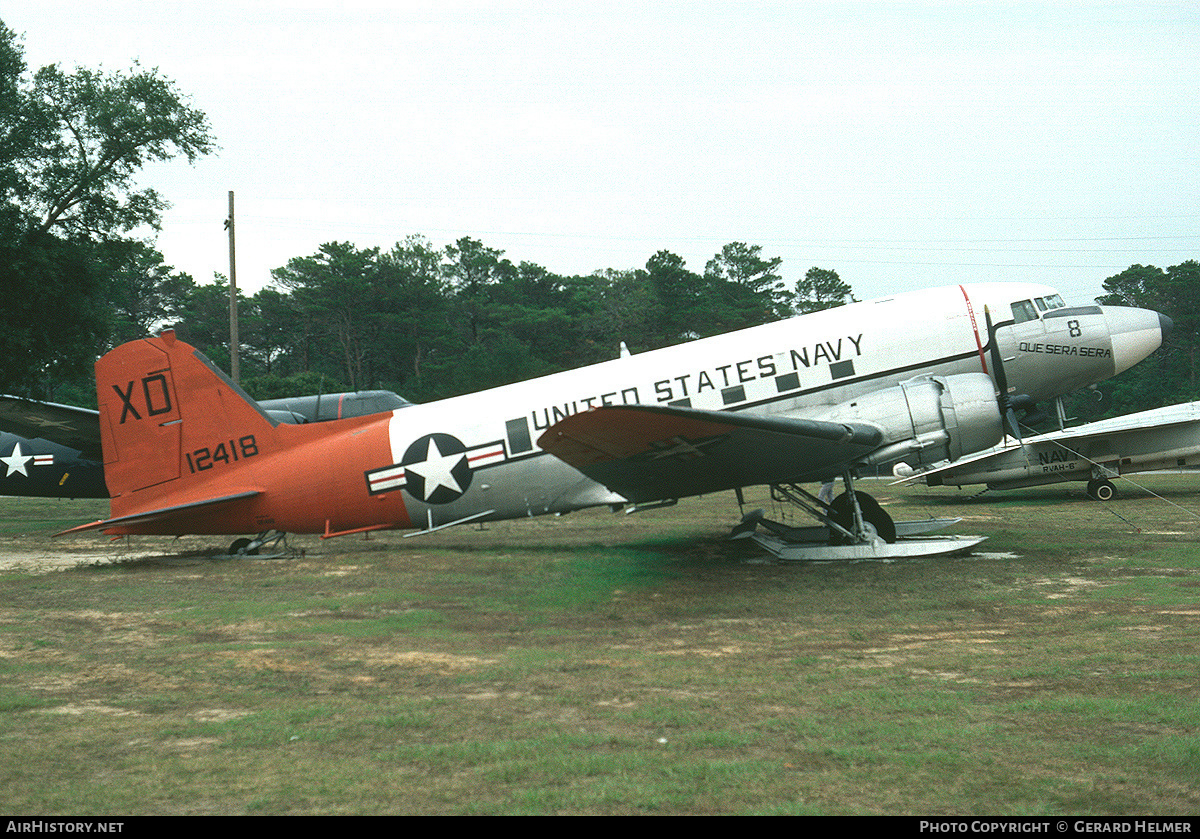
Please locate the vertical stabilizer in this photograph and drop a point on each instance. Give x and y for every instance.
(152, 438)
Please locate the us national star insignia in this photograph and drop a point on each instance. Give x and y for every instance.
(436, 468)
(16, 461)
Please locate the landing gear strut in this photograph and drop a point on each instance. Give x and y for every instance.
(1101, 489)
(870, 518)
(252, 547)
(853, 526)
(242, 547)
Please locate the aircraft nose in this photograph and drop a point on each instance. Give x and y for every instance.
(1135, 334)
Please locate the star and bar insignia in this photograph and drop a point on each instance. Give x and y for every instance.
(436, 468)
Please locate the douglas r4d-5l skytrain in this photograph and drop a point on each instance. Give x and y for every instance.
(921, 377)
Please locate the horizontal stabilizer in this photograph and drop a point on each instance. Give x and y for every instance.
(646, 452)
(163, 515)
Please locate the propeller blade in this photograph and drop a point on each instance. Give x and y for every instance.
(1007, 403)
(997, 361)
(1014, 427)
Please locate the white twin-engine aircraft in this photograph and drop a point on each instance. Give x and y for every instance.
(920, 378)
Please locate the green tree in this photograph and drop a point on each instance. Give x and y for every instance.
(820, 289)
(203, 319)
(531, 305)
(681, 311)
(266, 330)
(142, 293)
(53, 308)
(1170, 375)
(337, 292)
(474, 271)
(744, 289)
(1183, 282)
(16, 141)
(71, 145)
(418, 328)
(609, 307)
(1143, 286)
(93, 133)
(515, 313)
(271, 386)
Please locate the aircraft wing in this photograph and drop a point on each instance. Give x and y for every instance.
(66, 425)
(648, 453)
(1115, 433)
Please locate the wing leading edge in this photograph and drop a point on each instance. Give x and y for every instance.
(647, 453)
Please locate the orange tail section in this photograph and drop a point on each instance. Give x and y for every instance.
(151, 437)
(187, 451)
(165, 420)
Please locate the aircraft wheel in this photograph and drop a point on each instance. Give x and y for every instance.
(240, 547)
(842, 512)
(1101, 490)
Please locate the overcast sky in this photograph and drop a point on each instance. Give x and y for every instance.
(901, 144)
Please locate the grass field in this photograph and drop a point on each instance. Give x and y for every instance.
(609, 664)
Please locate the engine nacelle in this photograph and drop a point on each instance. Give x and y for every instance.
(930, 419)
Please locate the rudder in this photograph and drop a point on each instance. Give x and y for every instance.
(168, 414)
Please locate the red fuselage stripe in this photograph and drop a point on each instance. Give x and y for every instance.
(975, 328)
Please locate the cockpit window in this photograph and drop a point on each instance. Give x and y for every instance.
(1023, 310)
(1054, 301)
(1073, 311)
(1040, 302)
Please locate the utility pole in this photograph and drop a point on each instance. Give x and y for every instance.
(234, 372)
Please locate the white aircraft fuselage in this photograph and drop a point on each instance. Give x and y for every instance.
(867, 362)
(1161, 438)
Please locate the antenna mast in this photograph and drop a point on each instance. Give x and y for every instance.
(234, 372)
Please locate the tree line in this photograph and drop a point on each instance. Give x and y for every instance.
(1170, 374)
(431, 322)
(71, 145)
